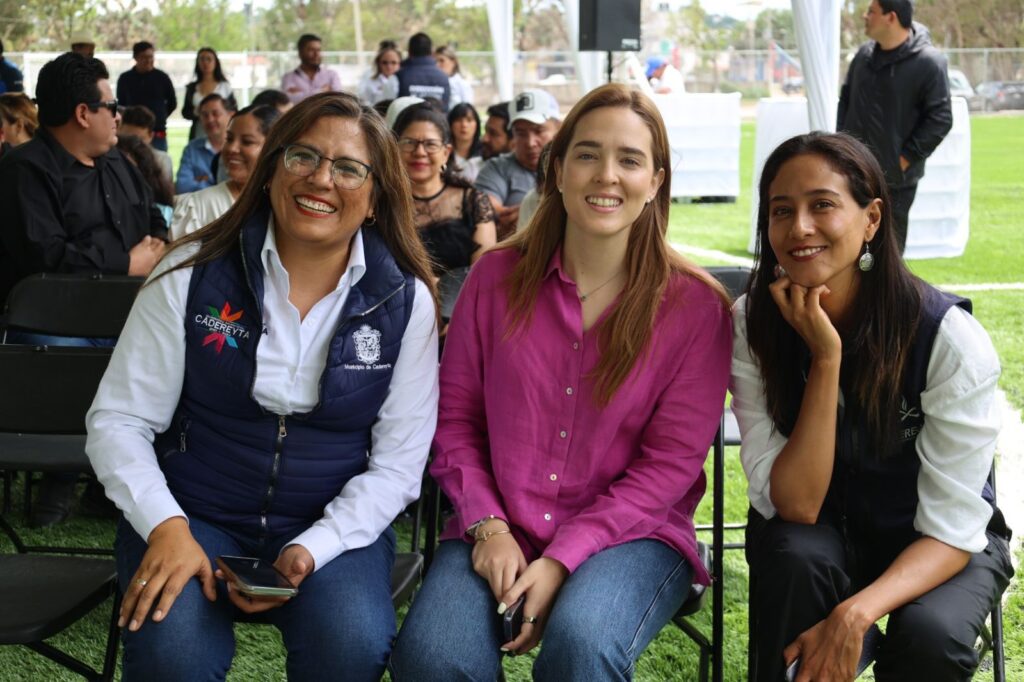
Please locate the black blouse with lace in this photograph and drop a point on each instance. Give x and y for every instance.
(447, 222)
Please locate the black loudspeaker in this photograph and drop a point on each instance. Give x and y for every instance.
(610, 25)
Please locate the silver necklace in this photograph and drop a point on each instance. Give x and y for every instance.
(585, 296)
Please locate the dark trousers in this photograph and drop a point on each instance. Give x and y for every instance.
(902, 199)
(799, 574)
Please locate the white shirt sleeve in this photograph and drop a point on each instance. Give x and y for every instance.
(137, 398)
(400, 444)
(958, 439)
(390, 88)
(761, 442)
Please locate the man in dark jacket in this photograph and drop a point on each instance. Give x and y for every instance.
(419, 75)
(896, 100)
(149, 86)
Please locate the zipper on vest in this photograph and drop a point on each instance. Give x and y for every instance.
(183, 437)
(379, 303)
(282, 433)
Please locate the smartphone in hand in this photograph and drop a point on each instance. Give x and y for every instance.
(255, 577)
(512, 619)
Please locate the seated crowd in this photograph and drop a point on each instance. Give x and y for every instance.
(319, 256)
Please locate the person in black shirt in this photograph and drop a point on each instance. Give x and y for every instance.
(146, 85)
(72, 202)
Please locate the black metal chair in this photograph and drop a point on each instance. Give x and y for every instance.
(47, 392)
(93, 306)
(712, 558)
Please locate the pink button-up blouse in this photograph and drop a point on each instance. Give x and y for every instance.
(521, 436)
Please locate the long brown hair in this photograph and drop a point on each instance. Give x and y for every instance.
(884, 314)
(391, 198)
(650, 261)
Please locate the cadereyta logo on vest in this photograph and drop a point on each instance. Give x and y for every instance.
(223, 326)
(909, 413)
(367, 341)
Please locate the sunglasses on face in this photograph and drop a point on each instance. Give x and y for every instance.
(109, 105)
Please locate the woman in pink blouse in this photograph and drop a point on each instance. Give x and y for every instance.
(581, 385)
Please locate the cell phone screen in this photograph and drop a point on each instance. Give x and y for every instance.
(256, 576)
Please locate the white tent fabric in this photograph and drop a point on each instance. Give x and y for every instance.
(817, 34)
(499, 17)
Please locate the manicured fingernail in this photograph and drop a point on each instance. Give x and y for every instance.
(158, 615)
(134, 625)
(504, 650)
(120, 622)
(502, 608)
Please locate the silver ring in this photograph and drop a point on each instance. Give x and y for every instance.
(530, 619)
(141, 582)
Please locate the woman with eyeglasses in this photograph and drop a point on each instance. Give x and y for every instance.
(273, 395)
(243, 142)
(455, 220)
(372, 88)
(210, 79)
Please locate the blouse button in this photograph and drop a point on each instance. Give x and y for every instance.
(547, 517)
(568, 391)
(575, 346)
(562, 434)
(554, 477)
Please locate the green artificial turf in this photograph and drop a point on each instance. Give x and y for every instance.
(995, 253)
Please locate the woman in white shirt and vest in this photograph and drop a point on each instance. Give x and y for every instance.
(273, 395)
(866, 402)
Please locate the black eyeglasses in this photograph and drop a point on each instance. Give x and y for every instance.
(430, 146)
(304, 161)
(109, 105)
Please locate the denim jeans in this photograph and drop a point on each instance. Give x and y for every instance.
(339, 627)
(606, 614)
(15, 337)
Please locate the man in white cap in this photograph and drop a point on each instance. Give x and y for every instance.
(534, 120)
(83, 44)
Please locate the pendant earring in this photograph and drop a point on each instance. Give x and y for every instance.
(866, 260)
(779, 271)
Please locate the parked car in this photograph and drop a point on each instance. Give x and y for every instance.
(998, 95)
(959, 86)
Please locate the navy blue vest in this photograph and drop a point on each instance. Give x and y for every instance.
(420, 77)
(229, 461)
(874, 499)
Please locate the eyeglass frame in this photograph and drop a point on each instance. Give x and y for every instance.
(110, 105)
(283, 149)
(403, 142)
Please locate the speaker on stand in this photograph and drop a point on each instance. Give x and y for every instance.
(609, 26)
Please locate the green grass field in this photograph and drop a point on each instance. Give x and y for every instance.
(995, 253)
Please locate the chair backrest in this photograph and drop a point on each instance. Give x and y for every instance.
(733, 278)
(94, 306)
(48, 390)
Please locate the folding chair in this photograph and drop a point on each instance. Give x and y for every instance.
(46, 393)
(710, 648)
(92, 306)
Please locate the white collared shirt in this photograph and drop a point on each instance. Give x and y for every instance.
(142, 387)
(955, 445)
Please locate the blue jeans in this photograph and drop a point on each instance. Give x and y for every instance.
(339, 627)
(606, 614)
(15, 337)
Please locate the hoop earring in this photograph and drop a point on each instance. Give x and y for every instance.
(370, 221)
(779, 271)
(866, 260)
(266, 188)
